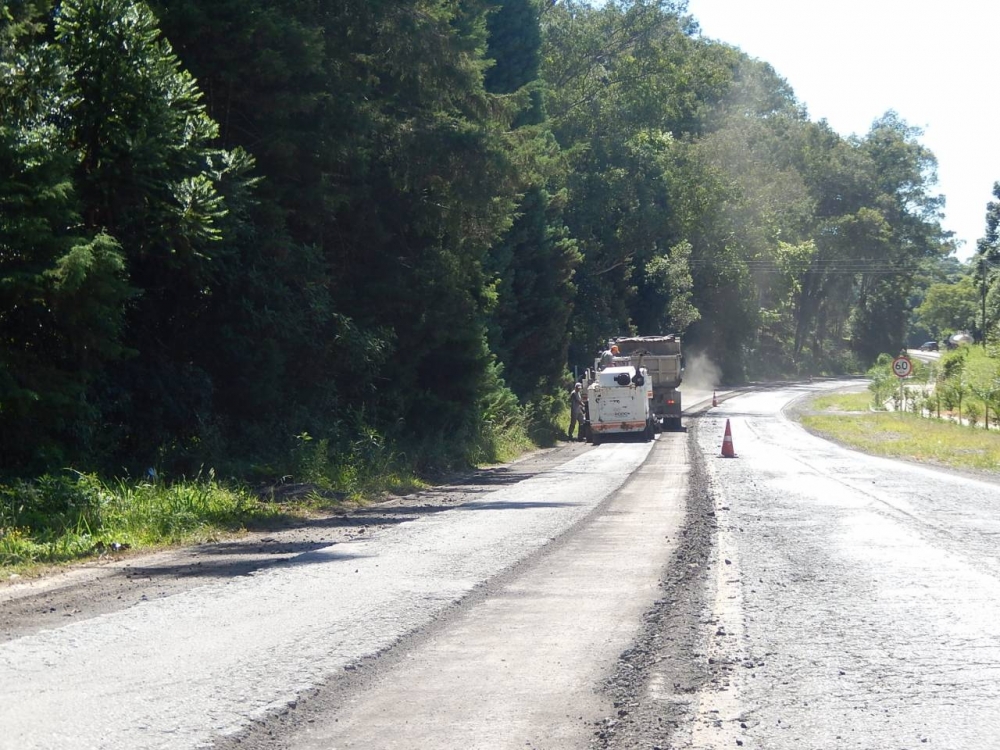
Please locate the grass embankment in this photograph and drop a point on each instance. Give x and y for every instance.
(846, 418)
(55, 519)
(70, 516)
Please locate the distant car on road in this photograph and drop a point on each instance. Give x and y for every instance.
(929, 346)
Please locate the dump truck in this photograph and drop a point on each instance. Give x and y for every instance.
(660, 356)
(618, 402)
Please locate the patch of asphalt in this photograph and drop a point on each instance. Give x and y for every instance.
(117, 582)
(657, 680)
(315, 704)
(670, 685)
(680, 668)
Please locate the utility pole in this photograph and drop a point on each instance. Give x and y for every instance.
(982, 295)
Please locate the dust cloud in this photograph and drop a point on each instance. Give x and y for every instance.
(700, 373)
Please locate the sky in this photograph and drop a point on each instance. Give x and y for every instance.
(849, 61)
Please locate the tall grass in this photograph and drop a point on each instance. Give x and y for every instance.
(60, 518)
(903, 435)
(372, 463)
(56, 519)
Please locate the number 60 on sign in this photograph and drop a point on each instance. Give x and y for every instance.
(902, 367)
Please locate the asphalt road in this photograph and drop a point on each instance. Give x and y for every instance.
(858, 603)
(521, 665)
(526, 590)
(633, 595)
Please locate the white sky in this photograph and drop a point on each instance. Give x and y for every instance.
(849, 61)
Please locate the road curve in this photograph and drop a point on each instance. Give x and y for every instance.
(857, 599)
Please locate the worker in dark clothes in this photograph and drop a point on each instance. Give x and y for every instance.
(576, 412)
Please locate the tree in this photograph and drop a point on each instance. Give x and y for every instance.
(949, 307)
(147, 174)
(61, 284)
(626, 86)
(904, 172)
(982, 375)
(534, 263)
(388, 175)
(986, 261)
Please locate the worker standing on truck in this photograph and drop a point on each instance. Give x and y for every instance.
(576, 411)
(608, 357)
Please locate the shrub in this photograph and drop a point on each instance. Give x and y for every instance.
(60, 518)
(883, 384)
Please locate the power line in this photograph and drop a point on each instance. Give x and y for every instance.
(845, 267)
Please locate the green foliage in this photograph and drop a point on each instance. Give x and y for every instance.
(547, 419)
(59, 518)
(964, 385)
(972, 413)
(883, 384)
(904, 232)
(950, 307)
(624, 80)
(149, 176)
(530, 324)
(669, 277)
(351, 241)
(62, 285)
(312, 460)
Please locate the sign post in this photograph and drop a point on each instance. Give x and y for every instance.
(902, 367)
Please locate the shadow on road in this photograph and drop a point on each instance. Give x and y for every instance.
(244, 565)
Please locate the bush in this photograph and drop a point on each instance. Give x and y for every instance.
(311, 460)
(52, 504)
(929, 405)
(883, 384)
(60, 518)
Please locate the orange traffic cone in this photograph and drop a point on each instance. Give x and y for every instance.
(727, 443)
(715, 401)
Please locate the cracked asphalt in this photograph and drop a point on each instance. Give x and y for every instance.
(858, 597)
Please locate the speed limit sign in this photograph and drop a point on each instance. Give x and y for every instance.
(902, 366)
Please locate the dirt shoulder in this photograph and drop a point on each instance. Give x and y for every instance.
(116, 582)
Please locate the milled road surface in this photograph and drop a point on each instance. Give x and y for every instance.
(521, 666)
(182, 664)
(858, 602)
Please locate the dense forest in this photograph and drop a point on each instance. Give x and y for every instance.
(229, 230)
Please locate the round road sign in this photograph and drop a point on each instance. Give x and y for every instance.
(902, 366)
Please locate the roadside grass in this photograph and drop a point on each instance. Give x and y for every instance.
(843, 402)
(57, 519)
(71, 516)
(846, 419)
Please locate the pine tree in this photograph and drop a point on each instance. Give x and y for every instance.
(61, 286)
(148, 175)
(534, 263)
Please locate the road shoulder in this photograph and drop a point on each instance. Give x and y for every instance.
(117, 582)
